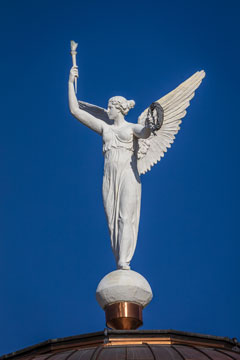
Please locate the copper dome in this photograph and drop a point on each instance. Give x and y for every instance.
(133, 345)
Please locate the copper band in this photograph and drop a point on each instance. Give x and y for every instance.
(123, 316)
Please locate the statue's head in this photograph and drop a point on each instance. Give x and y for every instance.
(119, 104)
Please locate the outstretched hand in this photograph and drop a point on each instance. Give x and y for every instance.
(73, 74)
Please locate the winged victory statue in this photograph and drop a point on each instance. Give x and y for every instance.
(131, 150)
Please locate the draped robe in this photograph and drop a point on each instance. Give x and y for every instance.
(121, 193)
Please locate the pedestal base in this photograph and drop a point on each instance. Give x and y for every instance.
(123, 294)
(123, 316)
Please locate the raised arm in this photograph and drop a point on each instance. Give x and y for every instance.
(81, 115)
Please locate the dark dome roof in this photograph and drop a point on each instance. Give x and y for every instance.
(133, 345)
(142, 352)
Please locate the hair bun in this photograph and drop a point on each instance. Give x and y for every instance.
(131, 104)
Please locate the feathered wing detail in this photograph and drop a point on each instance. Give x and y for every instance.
(174, 106)
(96, 111)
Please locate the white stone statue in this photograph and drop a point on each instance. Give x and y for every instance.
(129, 151)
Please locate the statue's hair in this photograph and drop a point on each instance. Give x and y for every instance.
(122, 104)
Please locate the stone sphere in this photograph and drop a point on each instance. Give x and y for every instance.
(123, 285)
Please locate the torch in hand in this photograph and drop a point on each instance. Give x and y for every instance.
(74, 46)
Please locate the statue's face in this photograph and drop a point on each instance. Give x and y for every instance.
(112, 111)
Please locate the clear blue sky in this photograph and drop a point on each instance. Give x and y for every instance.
(54, 240)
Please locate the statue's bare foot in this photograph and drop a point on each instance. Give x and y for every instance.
(123, 266)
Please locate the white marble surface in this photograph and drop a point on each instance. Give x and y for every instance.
(130, 150)
(123, 285)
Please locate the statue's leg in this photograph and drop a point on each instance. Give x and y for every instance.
(111, 205)
(125, 241)
(128, 219)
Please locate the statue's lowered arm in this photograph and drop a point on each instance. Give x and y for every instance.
(140, 131)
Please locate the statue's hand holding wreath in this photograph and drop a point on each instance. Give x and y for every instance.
(154, 118)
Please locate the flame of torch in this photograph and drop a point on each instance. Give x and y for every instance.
(74, 46)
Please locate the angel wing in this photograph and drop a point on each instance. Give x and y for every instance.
(97, 111)
(173, 106)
